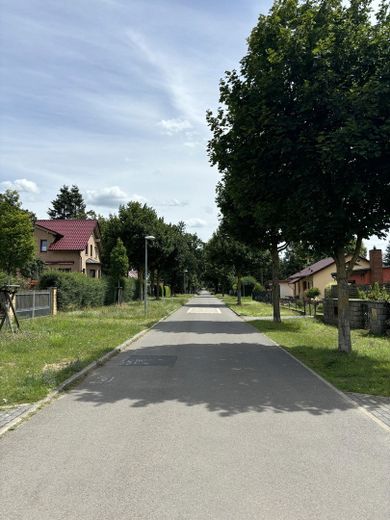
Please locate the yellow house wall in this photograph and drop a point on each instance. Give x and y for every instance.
(78, 258)
(323, 278)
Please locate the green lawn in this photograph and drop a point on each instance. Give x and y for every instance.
(49, 350)
(250, 307)
(365, 370)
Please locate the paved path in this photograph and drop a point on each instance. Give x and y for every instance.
(204, 418)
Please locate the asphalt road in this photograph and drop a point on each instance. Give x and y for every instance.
(204, 418)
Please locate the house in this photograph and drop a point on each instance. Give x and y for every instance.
(321, 274)
(376, 272)
(286, 289)
(69, 245)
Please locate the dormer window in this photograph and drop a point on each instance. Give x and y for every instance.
(91, 251)
(43, 246)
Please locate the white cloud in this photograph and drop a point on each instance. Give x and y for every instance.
(109, 197)
(20, 185)
(112, 197)
(173, 126)
(195, 223)
(171, 203)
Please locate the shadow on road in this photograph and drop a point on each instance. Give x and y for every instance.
(229, 379)
(205, 327)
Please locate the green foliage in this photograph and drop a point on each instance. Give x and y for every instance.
(301, 138)
(258, 288)
(16, 233)
(386, 258)
(312, 293)
(75, 290)
(68, 204)
(33, 269)
(119, 263)
(129, 286)
(7, 279)
(172, 251)
(167, 290)
(376, 293)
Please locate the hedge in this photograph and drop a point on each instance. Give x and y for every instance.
(75, 290)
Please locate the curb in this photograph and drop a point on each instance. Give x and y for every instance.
(35, 407)
(339, 392)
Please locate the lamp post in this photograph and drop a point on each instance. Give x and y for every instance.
(184, 280)
(148, 237)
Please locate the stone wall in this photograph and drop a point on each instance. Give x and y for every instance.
(364, 314)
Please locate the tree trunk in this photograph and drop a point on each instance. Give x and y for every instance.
(238, 289)
(344, 341)
(275, 283)
(158, 285)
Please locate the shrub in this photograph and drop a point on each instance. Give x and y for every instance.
(312, 293)
(168, 293)
(258, 288)
(75, 290)
(129, 292)
(7, 279)
(376, 293)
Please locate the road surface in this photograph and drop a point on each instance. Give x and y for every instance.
(204, 418)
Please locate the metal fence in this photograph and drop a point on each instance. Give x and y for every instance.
(31, 304)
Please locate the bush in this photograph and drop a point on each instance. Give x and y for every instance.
(312, 293)
(129, 293)
(376, 293)
(258, 288)
(7, 279)
(75, 290)
(168, 293)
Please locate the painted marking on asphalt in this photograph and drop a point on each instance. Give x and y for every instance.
(203, 310)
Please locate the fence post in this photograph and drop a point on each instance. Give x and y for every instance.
(53, 301)
(33, 305)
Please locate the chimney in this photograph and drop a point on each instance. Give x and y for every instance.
(376, 266)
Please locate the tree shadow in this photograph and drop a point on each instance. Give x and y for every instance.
(228, 379)
(205, 327)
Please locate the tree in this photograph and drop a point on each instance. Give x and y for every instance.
(16, 233)
(68, 204)
(229, 254)
(119, 264)
(386, 259)
(308, 115)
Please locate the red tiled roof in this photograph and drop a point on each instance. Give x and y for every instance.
(73, 235)
(314, 268)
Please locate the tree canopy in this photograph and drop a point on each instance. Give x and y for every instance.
(16, 233)
(68, 204)
(302, 136)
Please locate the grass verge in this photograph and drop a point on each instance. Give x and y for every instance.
(49, 350)
(252, 308)
(366, 370)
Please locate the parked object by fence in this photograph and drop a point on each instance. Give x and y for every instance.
(32, 304)
(7, 307)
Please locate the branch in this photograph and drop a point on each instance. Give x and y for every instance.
(355, 255)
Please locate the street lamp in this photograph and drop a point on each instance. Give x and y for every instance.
(184, 281)
(148, 237)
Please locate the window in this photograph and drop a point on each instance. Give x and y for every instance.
(86, 249)
(92, 273)
(91, 251)
(43, 247)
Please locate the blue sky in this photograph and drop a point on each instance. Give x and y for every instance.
(111, 95)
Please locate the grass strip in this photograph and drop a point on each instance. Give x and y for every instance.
(366, 370)
(255, 309)
(49, 350)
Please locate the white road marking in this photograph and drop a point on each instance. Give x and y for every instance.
(203, 310)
